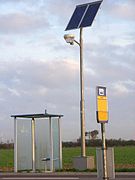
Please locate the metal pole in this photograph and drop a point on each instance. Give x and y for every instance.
(33, 145)
(15, 144)
(104, 152)
(60, 144)
(82, 113)
(51, 145)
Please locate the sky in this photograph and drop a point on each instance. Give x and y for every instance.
(39, 70)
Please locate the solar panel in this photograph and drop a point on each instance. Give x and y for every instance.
(90, 15)
(76, 17)
(83, 15)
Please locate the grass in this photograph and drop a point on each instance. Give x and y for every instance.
(124, 157)
(6, 157)
(6, 160)
(69, 153)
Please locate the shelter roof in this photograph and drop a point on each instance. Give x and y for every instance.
(46, 115)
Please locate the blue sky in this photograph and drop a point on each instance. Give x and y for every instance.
(39, 71)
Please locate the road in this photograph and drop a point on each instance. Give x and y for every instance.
(61, 176)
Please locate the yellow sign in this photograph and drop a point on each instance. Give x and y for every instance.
(102, 105)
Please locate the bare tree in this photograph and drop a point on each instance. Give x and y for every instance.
(92, 135)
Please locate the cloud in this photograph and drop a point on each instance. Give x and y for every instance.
(122, 88)
(6, 41)
(122, 9)
(21, 23)
(125, 10)
(37, 73)
(109, 63)
(31, 86)
(16, 2)
(13, 92)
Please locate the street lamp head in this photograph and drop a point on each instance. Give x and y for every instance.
(69, 38)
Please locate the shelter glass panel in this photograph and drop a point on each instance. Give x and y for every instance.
(42, 143)
(24, 147)
(56, 155)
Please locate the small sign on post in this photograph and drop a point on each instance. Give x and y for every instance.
(102, 105)
(102, 117)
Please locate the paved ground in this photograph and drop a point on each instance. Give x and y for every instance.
(61, 176)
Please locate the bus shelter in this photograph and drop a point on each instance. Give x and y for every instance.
(37, 142)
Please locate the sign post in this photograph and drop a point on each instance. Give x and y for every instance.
(102, 117)
(104, 152)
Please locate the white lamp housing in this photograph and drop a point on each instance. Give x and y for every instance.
(69, 38)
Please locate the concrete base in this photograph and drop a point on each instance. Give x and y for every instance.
(83, 163)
